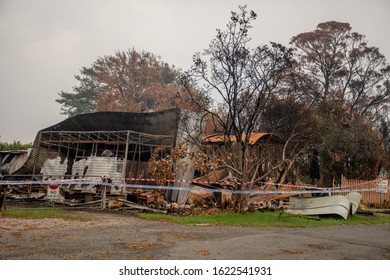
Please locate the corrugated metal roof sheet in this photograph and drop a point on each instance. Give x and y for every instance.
(255, 138)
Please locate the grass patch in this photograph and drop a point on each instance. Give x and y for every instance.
(269, 219)
(40, 213)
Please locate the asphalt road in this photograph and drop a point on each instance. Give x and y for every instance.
(126, 237)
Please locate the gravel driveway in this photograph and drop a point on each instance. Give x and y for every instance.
(117, 236)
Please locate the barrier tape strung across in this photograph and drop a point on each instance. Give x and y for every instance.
(233, 183)
(218, 182)
(240, 183)
(237, 183)
(155, 187)
(91, 180)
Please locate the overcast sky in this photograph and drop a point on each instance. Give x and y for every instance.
(44, 43)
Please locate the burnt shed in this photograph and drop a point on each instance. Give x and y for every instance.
(129, 137)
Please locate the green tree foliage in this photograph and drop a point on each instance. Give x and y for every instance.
(85, 95)
(15, 145)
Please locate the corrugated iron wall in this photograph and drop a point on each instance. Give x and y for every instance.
(370, 197)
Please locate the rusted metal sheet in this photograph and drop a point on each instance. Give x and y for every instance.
(254, 138)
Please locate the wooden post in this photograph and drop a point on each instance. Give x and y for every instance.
(3, 191)
(104, 196)
(125, 160)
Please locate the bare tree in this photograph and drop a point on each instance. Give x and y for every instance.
(243, 80)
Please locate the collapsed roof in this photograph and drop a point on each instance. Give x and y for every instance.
(104, 128)
(163, 122)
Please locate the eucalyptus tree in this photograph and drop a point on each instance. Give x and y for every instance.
(346, 82)
(340, 65)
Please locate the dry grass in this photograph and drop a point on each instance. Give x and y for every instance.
(203, 211)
